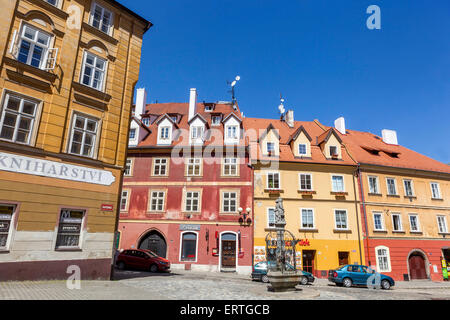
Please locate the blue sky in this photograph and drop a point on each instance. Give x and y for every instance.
(319, 54)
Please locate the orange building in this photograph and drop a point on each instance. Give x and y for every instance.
(67, 76)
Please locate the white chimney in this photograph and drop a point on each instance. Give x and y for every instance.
(390, 136)
(339, 124)
(193, 103)
(290, 118)
(141, 102)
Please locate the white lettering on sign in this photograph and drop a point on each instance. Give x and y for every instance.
(57, 170)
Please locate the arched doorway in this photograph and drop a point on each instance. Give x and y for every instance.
(417, 266)
(155, 242)
(229, 249)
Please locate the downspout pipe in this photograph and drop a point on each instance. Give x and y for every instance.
(363, 205)
(355, 174)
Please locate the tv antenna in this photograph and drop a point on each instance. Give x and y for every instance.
(233, 85)
(281, 107)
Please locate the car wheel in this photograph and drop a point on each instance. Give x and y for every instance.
(347, 282)
(304, 281)
(121, 265)
(385, 285)
(154, 268)
(265, 279)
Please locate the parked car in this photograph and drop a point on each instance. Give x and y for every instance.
(260, 273)
(350, 275)
(141, 259)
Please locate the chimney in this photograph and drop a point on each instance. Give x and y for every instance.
(141, 102)
(193, 103)
(290, 118)
(339, 124)
(390, 136)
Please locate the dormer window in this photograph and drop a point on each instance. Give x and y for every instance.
(302, 150)
(232, 132)
(215, 120)
(197, 132)
(132, 134)
(209, 108)
(270, 148)
(334, 151)
(146, 121)
(164, 133)
(174, 119)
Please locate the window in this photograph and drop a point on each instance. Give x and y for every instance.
(132, 134)
(270, 148)
(188, 247)
(174, 119)
(93, 71)
(435, 190)
(442, 224)
(338, 184)
(69, 230)
(216, 120)
(128, 167)
(194, 167)
(164, 133)
(383, 259)
(378, 224)
(305, 181)
(124, 200)
(273, 181)
(197, 132)
(307, 219)
(53, 2)
(146, 121)
(414, 223)
(18, 118)
(34, 47)
(391, 186)
(160, 167)
(408, 188)
(157, 199)
(270, 217)
(229, 202)
(341, 219)
(397, 222)
(6, 219)
(192, 201)
(373, 185)
(333, 151)
(232, 132)
(101, 19)
(83, 136)
(230, 167)
(302, 149)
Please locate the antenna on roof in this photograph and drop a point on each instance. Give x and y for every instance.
(233, 85)
(281, 107)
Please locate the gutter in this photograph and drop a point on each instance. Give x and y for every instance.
(363, 204)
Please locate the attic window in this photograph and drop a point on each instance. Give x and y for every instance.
(216, 120)
(372, 151)
(333, 151)
(146, 121)
(209, 107)
(174, 118)
(392, 154)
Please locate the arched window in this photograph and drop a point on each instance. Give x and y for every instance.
(189, 246)
(383, 259)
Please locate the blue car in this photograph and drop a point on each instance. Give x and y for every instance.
(350, 275)
(260, 273)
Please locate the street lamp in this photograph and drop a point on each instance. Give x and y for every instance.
(245, 215)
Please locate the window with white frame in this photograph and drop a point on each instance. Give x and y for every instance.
(93, 71)
(270, 148)
(391, 186)
(215, 120)
(18, 119)
(101, 19)
(194, 166)
(197, 132)
(160, 167)
(337, 183)
(146, 121)
(230, 167)
(305, 182)
(192, 203)
(307, 218)
(373, 185)
(83, 136)
(442, 224)
(409, 191)
(414, 223)
(229, 202)
(341, 219)
(69, 230)
(302, 149)
(435, 190)
(6, 219)
(132, 134)
(397, 222)
(164, 133)
(273, 181)
(157, 199)
(128, 167)
(232, 132)
(378, 223)
(270, 217)
(124, 200)
(383, 259)
(34, 48)
(188, 247)
(333, 151)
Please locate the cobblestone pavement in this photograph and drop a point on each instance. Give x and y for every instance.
(187, 285)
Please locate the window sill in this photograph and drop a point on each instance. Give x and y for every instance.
(48, 76)
(274, 191)
(348, 231)
(55, 10)
(393, 195)
(306, 192)
(69, 250)
(91, 91)
(444, 233)
(380, 231)
(399, 231)
(416, 232)
(339, 194)
(437, 199)
(410, 197)
(4, 251)
(375, 194)
(309, 230)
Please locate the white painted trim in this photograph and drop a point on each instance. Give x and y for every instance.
(267, 216)
(343, 182)
(383, 223)
(314, 218)
(279, 180)
(220, 248)
(417, 221)
(401, 222)
(388, 258)
(445, 223)
(387, 187)
(346, 218)
(299, 181)
(378, 184)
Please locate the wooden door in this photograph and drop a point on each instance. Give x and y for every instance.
(343, 258)
(417, 269)
(229, 253)
(308, 261)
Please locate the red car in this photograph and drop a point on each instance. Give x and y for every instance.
(141, 259)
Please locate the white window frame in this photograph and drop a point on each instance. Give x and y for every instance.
(417, 222)
(232, 132)
(47, 49)
(198, 198)
(81, 232)
(111, 22)
(197, 132)
(346, 219)
(439, 197)
(213, 123)
(157, 198)
(388, 259)
(313, 218)
(300, 181)
(332, 183)
(267, 147)
(235, 199)
(103, 72)
(230, 166)
(11, 228)
(395, 186)
(194, 163)
(84, 131)
(377, 185)
(279, 180)
(445, 231)
(164, 133)
(126, 198)
(196, 247)
(128, 172)
(405, 188)
(400, 222)
(268, 216)
(380, 213)
(159, 166)
(306, 149)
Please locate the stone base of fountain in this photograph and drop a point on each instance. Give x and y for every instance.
(283, 281)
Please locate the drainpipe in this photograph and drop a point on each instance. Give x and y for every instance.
(357, 215)
(363, 204)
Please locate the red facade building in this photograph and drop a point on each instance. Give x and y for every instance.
(187, 191)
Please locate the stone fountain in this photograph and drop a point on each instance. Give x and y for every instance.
(280, 249)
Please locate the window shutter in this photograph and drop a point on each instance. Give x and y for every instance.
(52, 55)
(14, 47)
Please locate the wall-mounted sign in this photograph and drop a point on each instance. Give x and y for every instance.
(107, 207)
(190, 227)
(304, 243)
(52, 169)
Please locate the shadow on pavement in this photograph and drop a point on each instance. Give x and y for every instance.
(135, 274)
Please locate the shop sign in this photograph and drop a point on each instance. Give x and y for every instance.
(107, 207)
(304, 243)
(190, 227)
(52, 169)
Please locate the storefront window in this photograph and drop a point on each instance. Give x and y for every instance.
(69, 229)
(6, 215)
(189, 247)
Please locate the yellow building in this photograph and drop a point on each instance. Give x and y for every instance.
(67, 76)
(307, 166)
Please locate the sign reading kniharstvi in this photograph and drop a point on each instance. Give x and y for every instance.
(51, 169)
